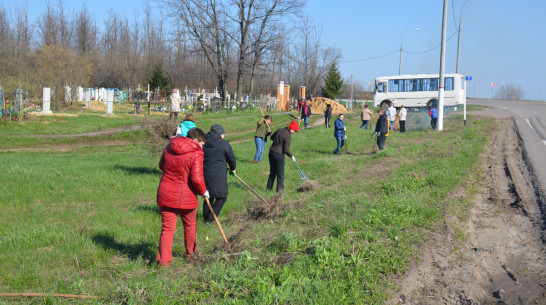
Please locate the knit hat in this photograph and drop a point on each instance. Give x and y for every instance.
(218, 129)
(294, 126)
(175, 90)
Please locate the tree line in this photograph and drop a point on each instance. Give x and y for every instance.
(237, 46)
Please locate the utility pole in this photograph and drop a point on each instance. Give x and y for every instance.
(459, 40)
(351, 93)
(442, 71)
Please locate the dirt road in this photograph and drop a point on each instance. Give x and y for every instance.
(502, 259)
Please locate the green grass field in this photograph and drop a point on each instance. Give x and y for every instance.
(84, 220)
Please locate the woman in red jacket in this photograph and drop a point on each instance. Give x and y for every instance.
(181, 182)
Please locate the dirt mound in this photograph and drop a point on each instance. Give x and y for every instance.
(318, 105)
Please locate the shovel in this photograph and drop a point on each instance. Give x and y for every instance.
(302, 175)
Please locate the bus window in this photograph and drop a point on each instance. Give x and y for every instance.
(448, 83)
(382, 87)
(430, 84)
(393, 85)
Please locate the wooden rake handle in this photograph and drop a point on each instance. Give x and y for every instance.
(253, 191)
(217, 222)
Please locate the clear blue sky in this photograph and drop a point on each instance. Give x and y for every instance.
(503, 41)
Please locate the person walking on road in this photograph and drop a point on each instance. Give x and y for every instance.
(218, 153)
(339, 133)
(175, 104)
(433, 116)
(382, 129)
(184, 127)
(391, 114)
(280, 147)
(328, 115)
(365, 116)
(402, 114)
(182, 180)
(263, 130)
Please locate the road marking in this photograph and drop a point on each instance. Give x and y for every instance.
(543, 141)
(526, 120)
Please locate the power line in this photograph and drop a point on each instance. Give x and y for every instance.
(396, 51)
(370, 58)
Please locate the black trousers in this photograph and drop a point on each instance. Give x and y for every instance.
(175, 115)
(217, 205)
(402, 126)
(433, 122)
(327, 122)
(381, 141)
(276, 170)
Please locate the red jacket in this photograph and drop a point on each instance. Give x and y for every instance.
(182, 179)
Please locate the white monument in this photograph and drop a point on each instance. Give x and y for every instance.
(46, 106)
(80, 94)
(110, 101)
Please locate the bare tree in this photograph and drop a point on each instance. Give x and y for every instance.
(261, 14)
(510, 91)
(86, 32)
(204, 22)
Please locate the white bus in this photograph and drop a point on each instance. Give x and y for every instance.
(420, 90)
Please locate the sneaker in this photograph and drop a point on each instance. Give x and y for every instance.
(254, 161)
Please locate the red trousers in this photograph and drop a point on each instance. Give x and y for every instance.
(169, 217)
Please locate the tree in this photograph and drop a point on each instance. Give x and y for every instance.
(204, 22)
(510, 92)
(158, 78)
(333, 84)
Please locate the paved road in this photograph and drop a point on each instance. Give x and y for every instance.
(530, 118)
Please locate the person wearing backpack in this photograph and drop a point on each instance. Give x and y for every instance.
(305, 114)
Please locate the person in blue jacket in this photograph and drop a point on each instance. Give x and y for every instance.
(433, 116)
(339, 133)
(185, 126)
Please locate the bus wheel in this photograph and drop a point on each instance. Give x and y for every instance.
(432, 103)
(385, 104)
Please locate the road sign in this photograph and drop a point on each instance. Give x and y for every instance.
(493, 84)
(468, 78)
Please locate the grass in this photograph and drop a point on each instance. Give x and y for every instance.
(84, 221)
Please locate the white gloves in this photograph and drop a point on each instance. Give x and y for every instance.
(294, 159)
(345, 137)
(344, 128)
(206, 194)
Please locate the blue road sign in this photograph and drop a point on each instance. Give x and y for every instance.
(469, 78)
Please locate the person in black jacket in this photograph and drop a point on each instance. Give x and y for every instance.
(382, 129)
(328, 115)
(280, 147)
(218, 152)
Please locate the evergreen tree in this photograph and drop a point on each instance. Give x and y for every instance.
(333, 84)
(158, 78)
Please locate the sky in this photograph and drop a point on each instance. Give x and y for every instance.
(502, 41)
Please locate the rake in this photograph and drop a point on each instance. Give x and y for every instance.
(302, 175)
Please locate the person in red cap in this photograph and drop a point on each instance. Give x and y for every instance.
(182, 180)
(280, 147)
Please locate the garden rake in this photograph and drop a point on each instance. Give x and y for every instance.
(302, 175)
